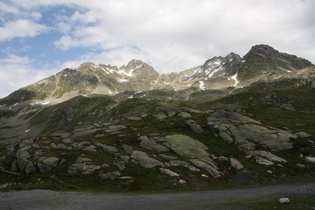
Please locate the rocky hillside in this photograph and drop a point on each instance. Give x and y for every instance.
(263, 60)
(260, 63)
(88, 78)
(175, 128)
(141, 142)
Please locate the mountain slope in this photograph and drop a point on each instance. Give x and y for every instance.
(182, 132)
(128, 141)
(260, 62)
(88, 78)
(263, 60)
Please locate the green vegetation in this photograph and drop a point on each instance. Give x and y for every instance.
(277, 104)
(69, 113)
(147, 180)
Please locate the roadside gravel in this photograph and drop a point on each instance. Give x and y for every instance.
(218, 199)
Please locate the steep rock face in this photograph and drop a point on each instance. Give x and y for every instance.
(138, 76)
(215, 73)
(218, 67)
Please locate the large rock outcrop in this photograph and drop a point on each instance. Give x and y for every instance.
(186, 146)
(144, 160)
(235, 128)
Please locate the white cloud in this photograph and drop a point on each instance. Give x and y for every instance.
(180, 34)
(35, 15)
(8, 9)
(17, 72)
(169, 35)
(11, 58)
(90, 36)
(88, 17)
(20, 28)
(117, 57)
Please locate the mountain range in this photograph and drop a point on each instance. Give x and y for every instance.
(261, 62)
(230, 119)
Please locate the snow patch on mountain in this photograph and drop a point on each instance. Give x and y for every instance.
(122, 80)
(40, 103)
(129, 74)
(106, 70)
(214, 71)
(234, 77)
(202, 85)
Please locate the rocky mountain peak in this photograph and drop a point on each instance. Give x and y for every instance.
(263, 60)
(233, 55)
(137, 68)
(263, 49)
(218, 67)
(86, 67)
(133, 64)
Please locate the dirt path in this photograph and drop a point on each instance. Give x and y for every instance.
(219, 199)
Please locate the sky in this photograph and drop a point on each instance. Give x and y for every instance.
(39, 38)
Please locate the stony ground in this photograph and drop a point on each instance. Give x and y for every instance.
(219, 199)
(182, 148)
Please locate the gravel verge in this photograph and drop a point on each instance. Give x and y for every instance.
(218, 199)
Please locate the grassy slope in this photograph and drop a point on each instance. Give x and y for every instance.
(250, 100)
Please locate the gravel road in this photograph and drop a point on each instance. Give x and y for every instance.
(218, 199)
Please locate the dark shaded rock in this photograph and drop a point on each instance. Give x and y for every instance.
(80, 145)
(107, 148)
(114, 128)
(83, 166)
(266, 158)
(299, 166)
(167, 157)
(22, 158)
(149, 143)
(109, 175)
(303, 135)
(183, 163)
(91, 148)
(168, 172)
(127, 148)
(99, 135)
(194, 126)
(47, 163)
(211, 170)
(144, 160)
(223, 159)
(160, 115)
(30, 168)
(309, 159)
(67, 141)
(235, 163)
(184, 115)
(26, 143)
